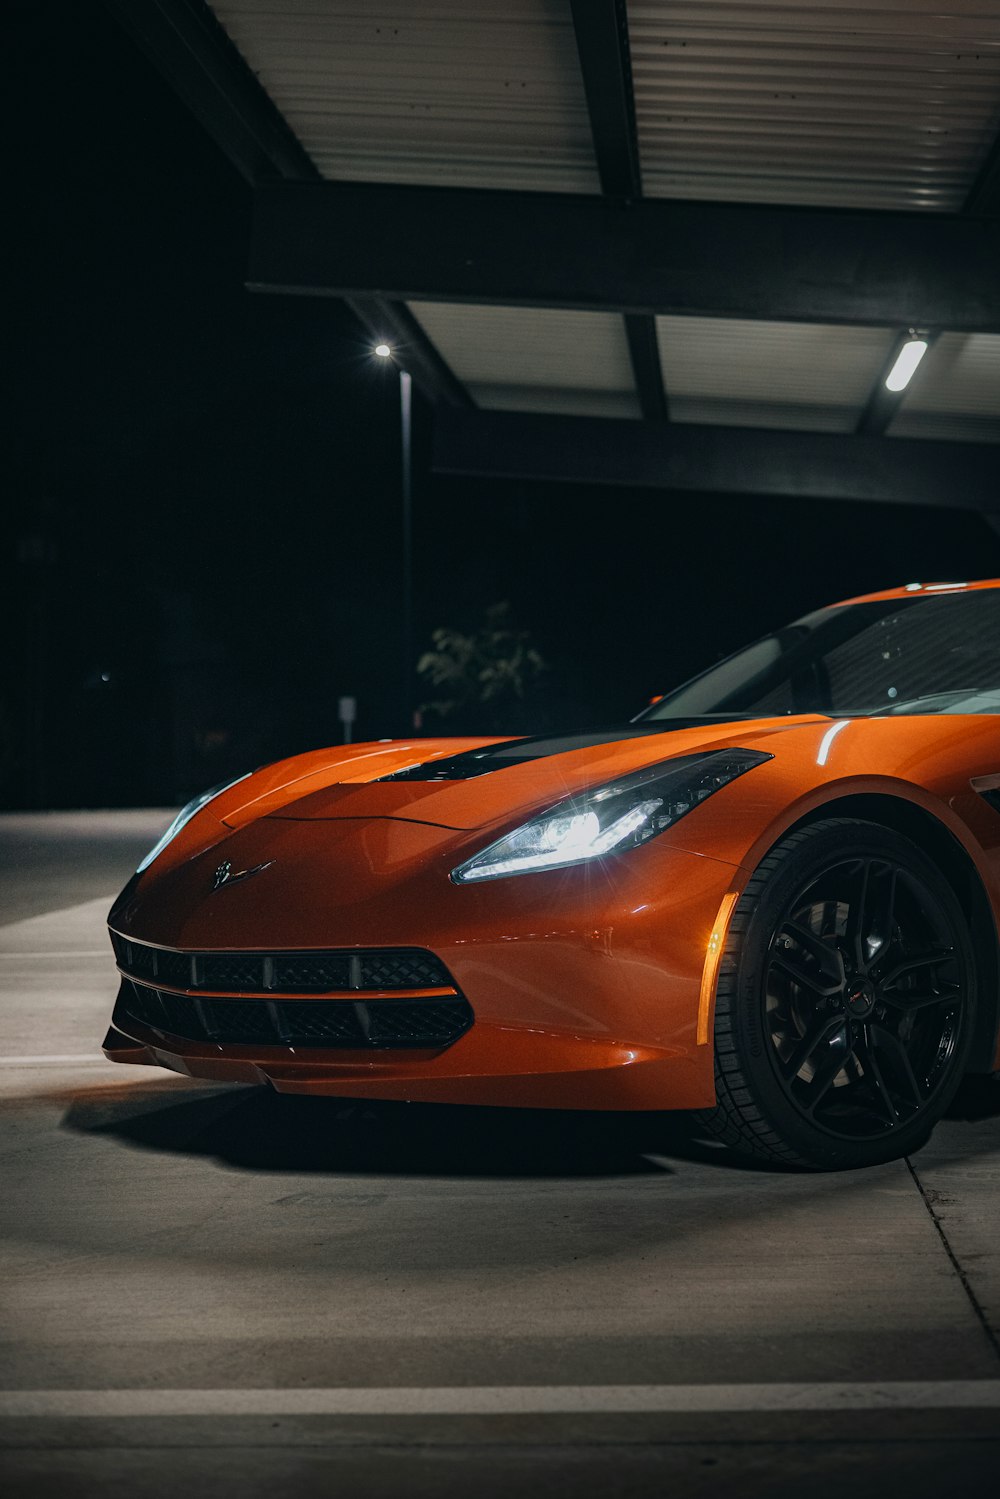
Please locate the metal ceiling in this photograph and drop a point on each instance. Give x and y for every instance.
(538, 359)
(468, 93)
(955, 392)
(888, 105)
(835, 104)
(739, 373)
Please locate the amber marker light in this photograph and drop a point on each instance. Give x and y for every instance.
(713, 957)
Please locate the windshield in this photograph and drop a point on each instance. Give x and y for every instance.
(932, 653)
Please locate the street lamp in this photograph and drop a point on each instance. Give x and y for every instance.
(384, 351)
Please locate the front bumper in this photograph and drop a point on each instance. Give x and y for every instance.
(585, 983)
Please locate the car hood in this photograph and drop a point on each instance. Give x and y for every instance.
(465, 783)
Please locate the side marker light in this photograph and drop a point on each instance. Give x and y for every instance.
(713, 957)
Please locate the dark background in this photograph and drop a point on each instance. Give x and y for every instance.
(201, 541)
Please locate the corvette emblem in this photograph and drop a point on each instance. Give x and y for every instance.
(224, 874)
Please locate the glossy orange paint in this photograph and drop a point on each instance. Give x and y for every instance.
(588, 984)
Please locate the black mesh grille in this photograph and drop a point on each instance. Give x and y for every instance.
(352, 1024)
(282, 973)
(314, 974)
(310, 1021)
(432, 1023)
(231, 972)
(181, 1014)
(142, 962)
(244, 1020)
(406, 970)
(174, 968)
(146, 1005)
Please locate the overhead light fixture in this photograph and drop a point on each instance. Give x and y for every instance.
(906, 363)
(383, 351)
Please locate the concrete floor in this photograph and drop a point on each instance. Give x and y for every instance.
(457, 1272)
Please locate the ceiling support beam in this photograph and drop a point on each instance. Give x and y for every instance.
(601, 28)
(717, 460)
(644, 352)
(882, 404)
(647, 256)
(192, 52)
(984, 195)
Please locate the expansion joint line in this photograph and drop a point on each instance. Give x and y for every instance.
(966, 1284)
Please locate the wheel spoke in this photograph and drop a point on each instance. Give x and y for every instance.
(914, 964)
(856, 915)
(869, 1062)
(896, 1052)
(799, 974)
(926, 1001)
(825, 1077)
(825, 954)
(820, 1031)
(871, 913)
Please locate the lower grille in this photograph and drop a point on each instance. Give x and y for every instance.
(281, 972)
(354, 1024)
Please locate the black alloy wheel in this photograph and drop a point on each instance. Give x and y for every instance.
(845, 1001)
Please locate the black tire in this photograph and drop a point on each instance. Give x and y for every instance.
(848, 945)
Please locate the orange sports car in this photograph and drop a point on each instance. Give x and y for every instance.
(773, 898)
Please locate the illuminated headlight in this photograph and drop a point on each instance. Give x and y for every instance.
(611, 819)
(185, 815)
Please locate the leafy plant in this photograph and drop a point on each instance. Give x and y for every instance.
(479, 673)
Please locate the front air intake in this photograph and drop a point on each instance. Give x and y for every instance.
(353, 999)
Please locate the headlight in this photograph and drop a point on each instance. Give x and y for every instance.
(185, 815)
(615, 817)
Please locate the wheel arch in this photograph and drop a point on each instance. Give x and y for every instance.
(931, 835)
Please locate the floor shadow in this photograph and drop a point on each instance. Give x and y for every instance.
(257, 1129)
(260, 1130)
(978, 1097)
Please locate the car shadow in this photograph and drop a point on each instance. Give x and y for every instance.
(260, 1130)
(978, 1098)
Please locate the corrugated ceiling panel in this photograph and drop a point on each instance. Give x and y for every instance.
(888, 105)
(754, 374)
(955, 392)
(535, 358)
(469, 93)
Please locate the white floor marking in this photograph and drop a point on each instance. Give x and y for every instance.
(48, 955)
(69, 1059)
(505, 1400)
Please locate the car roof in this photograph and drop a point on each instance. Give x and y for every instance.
(909, 590)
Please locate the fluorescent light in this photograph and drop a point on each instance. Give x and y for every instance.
(383, 351)
(907, 360)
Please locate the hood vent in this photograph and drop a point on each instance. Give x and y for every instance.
(479, 762)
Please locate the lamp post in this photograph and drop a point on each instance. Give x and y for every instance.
(384, 351)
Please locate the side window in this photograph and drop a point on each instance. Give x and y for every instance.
(940, 647)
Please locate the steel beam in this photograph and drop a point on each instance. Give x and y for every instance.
(601, 28)
(644, 352)
(652, 255)
(984, 195)
(190, 49)
(717, 460)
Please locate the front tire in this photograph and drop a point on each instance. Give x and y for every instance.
(845, 1001)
